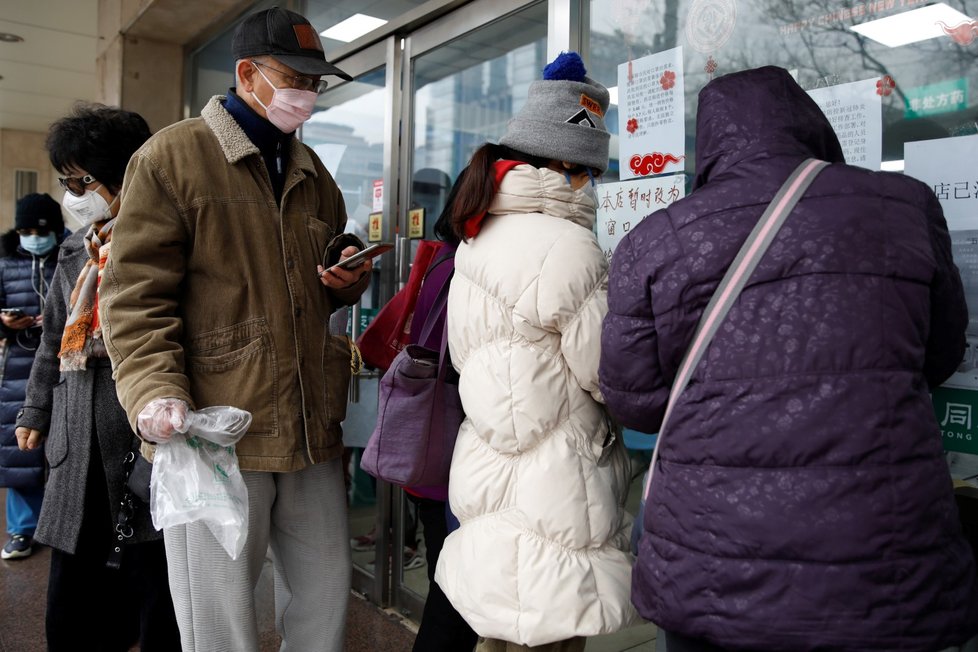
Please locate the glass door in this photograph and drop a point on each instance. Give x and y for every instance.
(467, 75)
(351, 131)
(395, 138)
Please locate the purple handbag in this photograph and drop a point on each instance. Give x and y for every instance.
(418, 413)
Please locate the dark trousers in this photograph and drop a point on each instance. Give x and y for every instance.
(93, 607)
(442, 629)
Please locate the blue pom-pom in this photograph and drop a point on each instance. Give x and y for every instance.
(567, 66)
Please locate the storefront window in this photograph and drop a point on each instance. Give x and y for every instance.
(896, 78)
(347, 133)
(926, 86)
(467, 90)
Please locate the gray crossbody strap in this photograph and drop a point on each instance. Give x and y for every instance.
(733, 282)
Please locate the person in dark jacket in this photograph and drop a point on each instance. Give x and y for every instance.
(30, 254)
(442, 626)
(801, 499)
(105, 592)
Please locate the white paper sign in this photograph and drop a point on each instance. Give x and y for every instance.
(856, 114)
(622, 205)
(950, 167)
(378, 196)
(651, 115)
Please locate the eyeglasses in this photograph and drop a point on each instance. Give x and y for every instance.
(76, 185)
(299, 82)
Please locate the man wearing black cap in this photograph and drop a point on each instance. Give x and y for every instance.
(218, 292)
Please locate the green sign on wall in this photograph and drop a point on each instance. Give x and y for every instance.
(957, 414)
(942, 97)
(366, 316)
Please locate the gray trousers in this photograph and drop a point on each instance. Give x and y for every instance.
(302, 516)
(575, 644)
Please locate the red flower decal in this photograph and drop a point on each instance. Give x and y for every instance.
(885, 85)
(711, 66)
(668, 80)
(632, 125)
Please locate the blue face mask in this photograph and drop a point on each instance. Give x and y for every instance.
(38, 244)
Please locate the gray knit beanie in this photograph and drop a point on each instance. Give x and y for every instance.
(563, 118)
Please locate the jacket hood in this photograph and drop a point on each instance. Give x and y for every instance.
(759, 112)
(526, 189)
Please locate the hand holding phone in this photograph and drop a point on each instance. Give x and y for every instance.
(16, 319)
(358, 258)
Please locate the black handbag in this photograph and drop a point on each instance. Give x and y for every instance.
(139, 476)
(138, 471)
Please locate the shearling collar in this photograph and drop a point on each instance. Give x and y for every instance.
(235, 143)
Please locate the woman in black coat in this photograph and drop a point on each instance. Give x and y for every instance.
(105, 592)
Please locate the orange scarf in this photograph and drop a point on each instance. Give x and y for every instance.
(83, 332)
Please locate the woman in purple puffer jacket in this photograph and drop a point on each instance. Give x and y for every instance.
(801, 500)
(441, 627)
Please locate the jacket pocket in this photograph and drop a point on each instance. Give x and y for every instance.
(336, 375)
(56, 446)
(237, 366)
(319, 236)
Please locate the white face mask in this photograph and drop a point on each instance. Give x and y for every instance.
(289, 107)
(590, 190)
(89, 208)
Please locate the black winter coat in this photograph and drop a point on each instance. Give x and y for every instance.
(86, 427)
(24, 280)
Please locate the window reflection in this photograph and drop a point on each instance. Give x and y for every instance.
(347, 133)
(811, 38)
(467, 90)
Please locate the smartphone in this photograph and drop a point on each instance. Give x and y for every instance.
(13, 312)
(358, 258)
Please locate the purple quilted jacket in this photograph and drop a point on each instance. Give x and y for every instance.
(801, 500)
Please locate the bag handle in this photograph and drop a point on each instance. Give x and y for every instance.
(441, 299)
(733, 282)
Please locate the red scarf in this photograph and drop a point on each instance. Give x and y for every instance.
(474, 224)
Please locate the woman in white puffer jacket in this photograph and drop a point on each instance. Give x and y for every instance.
(538, 479)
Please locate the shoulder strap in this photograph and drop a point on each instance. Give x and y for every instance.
(733, 282)
(437, 307)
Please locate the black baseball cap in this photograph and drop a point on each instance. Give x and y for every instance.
(288, 37)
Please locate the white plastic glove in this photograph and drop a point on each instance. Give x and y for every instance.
(162, 417)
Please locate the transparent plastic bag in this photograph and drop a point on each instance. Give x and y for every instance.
(222, 424)
(196, 477)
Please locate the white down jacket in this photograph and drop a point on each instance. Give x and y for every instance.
(537, 481)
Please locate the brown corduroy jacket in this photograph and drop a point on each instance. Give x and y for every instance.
(211, 294)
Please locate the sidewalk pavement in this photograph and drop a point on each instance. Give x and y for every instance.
(23, 590)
